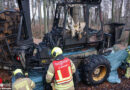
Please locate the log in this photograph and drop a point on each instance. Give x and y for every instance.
(2, 16)
(9, 23)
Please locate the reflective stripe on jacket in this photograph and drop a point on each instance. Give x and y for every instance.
(51, 74)
(23, 84)
(64, 86)
(63, 71)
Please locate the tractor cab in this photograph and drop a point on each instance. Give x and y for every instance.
(76, 29)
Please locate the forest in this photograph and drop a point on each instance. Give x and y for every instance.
(42, 13)
(103, 26)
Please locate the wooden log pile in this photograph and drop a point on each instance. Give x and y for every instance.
(9, 23)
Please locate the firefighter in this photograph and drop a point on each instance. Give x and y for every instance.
(21, 82)
(127, 75)
(60, 71)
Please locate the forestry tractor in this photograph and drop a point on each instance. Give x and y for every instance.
(83, 41)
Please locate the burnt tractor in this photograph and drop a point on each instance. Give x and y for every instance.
(83, 41)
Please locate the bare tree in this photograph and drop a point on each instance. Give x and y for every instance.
(40, 16)
(45, 16)
(120, 12)
(34, 11)
(12, 3)
(127, 16)
(1, 2)
(48, 9)
(112, 10)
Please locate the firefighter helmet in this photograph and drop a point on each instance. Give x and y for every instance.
(17, 71)
(56, 51)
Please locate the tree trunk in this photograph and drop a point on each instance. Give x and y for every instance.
(120, 12)
(40, 17)
(112, 10)
(32, 6)
(125, 38)
(1, 4)
(127, 16)
(41, 21)
(12, 3)
(45, 17)
(8, 4)
(128, 19)
(75, 13)
(34, 14)
(48, 5)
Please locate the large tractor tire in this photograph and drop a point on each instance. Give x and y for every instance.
(95, 69)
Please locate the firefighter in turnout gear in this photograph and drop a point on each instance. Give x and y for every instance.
(21, 82)
(60, 71)
(127, 75)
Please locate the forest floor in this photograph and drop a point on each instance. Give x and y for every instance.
(124, 85)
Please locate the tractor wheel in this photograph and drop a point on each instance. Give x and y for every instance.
(95, 70)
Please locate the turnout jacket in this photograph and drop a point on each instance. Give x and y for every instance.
(60, 71)
(23, 84)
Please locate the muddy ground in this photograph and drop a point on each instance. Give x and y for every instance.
(5, 75)
(124, 85)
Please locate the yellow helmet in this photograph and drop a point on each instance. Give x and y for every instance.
(56, 51)
(26, 74)
(17, 71)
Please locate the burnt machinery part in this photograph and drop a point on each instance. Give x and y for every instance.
(87, 1)
(92, 1)
(47, 86)
(95, 69)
